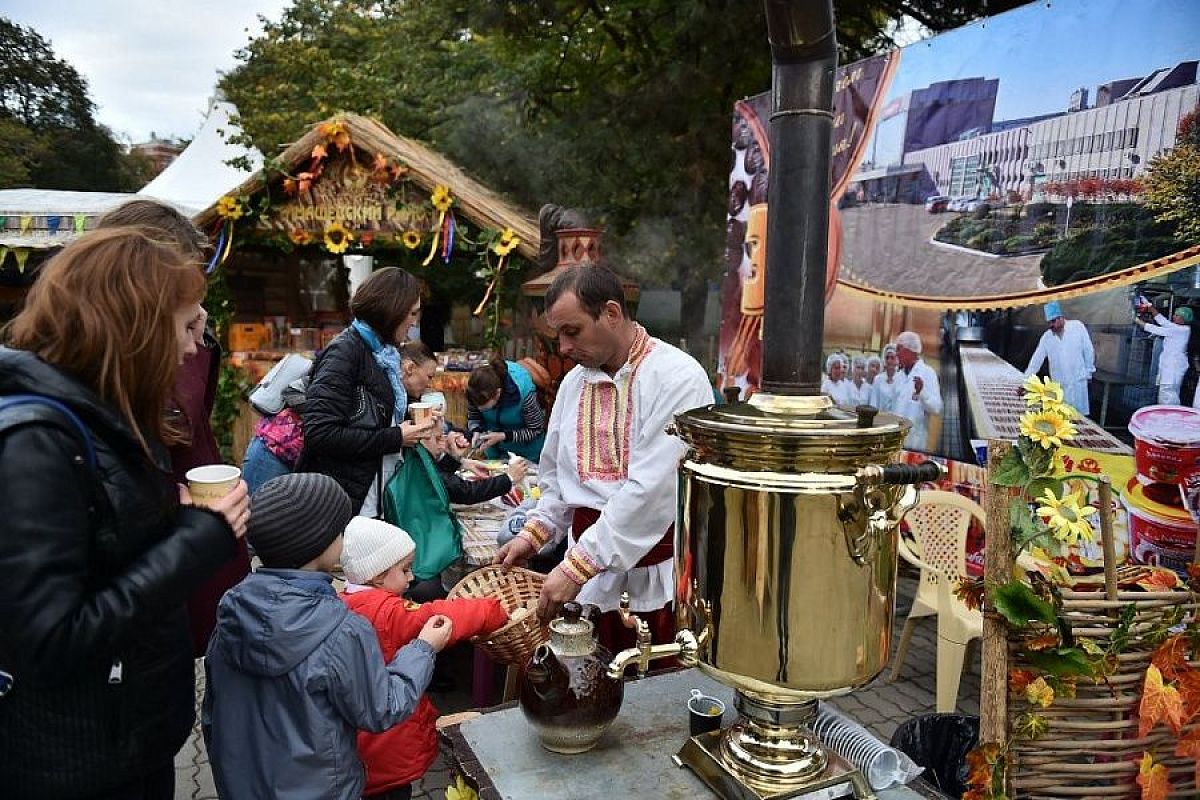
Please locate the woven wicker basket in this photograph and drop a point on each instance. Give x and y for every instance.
(1092, 748)
(515, 589)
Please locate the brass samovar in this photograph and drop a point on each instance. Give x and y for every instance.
(789, 507)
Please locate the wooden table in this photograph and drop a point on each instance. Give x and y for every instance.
(499, 753)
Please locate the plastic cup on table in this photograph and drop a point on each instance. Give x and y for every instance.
(704, 713)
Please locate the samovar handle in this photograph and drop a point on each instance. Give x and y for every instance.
(899, 474)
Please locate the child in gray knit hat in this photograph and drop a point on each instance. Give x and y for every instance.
(292, 673)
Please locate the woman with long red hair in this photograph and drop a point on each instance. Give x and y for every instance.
(99, 548)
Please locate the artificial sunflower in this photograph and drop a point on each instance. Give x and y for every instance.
(299, 236)
(1047, 428)
(506, 243)
(411, 239)
(1042, 392)
(1067, 517)
(337, 237)
(230, 208)
(441, 198)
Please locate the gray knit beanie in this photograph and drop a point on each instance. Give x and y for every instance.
(293, 518)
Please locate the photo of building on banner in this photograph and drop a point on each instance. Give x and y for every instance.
(1007, 202)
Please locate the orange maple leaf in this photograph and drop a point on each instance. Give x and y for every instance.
(318, 152)
(1160, 703)
(289, 186)
(1159, 580)
(980, 763)
(341, 139)
(1189, 689)
(1170, 656)
(1189, 747)
(380, 162)
(1018, 679)
(1153, 778)
(1043, 642)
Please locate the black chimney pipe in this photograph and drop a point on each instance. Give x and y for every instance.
(804, 60)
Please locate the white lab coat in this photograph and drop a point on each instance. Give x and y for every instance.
(918, 409)
(840, 392)
(885, 391)
(1172, 361)
(859, 395)
(1072, 362)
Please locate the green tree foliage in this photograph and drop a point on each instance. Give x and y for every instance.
(1172, 182)
(48, 135)
(621, 108)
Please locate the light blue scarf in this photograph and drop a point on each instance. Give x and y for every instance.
(387, 357)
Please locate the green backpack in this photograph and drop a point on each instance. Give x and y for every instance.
(415, 499)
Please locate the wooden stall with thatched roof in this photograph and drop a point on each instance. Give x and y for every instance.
(348, 197)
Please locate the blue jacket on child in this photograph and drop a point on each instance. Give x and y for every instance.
(292, 675)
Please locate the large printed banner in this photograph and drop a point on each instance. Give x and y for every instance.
(994, 201)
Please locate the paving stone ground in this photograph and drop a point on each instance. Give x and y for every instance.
(881, 707)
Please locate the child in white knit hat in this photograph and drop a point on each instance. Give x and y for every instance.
(377, 560)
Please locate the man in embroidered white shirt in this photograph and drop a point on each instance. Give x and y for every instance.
(608, 468)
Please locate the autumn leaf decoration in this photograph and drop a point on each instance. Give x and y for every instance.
(1153, 779)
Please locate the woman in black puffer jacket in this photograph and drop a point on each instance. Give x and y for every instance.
(354, 412)
(97, 553)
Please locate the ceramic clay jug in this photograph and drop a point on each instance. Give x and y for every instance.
(565, 693)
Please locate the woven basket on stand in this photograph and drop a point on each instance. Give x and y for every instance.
(1092, 746)
(516, 589)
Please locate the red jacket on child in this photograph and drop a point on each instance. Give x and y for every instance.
(402, 754)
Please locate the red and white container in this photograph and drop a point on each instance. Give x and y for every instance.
(1166, 443)
(1160, 535)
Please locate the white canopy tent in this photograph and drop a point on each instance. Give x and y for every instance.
(201, 174)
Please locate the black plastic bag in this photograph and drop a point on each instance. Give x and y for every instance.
(940, 743)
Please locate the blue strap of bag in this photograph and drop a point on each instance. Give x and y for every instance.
(14, 400)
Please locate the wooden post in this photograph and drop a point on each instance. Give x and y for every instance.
(997, 569)
(1107, 542)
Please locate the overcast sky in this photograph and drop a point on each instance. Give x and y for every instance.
(151, 65)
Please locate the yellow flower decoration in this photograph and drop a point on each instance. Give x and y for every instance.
(1067, 517)
(230, 208)
(1047, 428)
(1038, 392)
(1047, 394)
(337, 237)
(299, 236)
(507, 242)
(411, 240)
(441, 198)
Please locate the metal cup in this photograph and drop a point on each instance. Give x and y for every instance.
(704, 713)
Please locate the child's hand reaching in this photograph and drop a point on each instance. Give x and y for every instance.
(517, 470)
(437, 632)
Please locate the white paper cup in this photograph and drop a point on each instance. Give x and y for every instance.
(420, 411)
(210, 483)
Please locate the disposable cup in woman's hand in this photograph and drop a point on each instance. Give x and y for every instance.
(234, 506)
(414, 432)
(437, 631)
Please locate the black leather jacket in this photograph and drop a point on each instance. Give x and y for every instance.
(342, 438)
(96, 567)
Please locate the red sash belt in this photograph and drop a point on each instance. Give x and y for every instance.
(663, 550)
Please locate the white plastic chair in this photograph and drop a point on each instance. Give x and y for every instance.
(939, 523)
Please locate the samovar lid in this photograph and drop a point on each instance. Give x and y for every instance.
(791, 433)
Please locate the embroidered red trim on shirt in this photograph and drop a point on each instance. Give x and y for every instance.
(605, 424)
